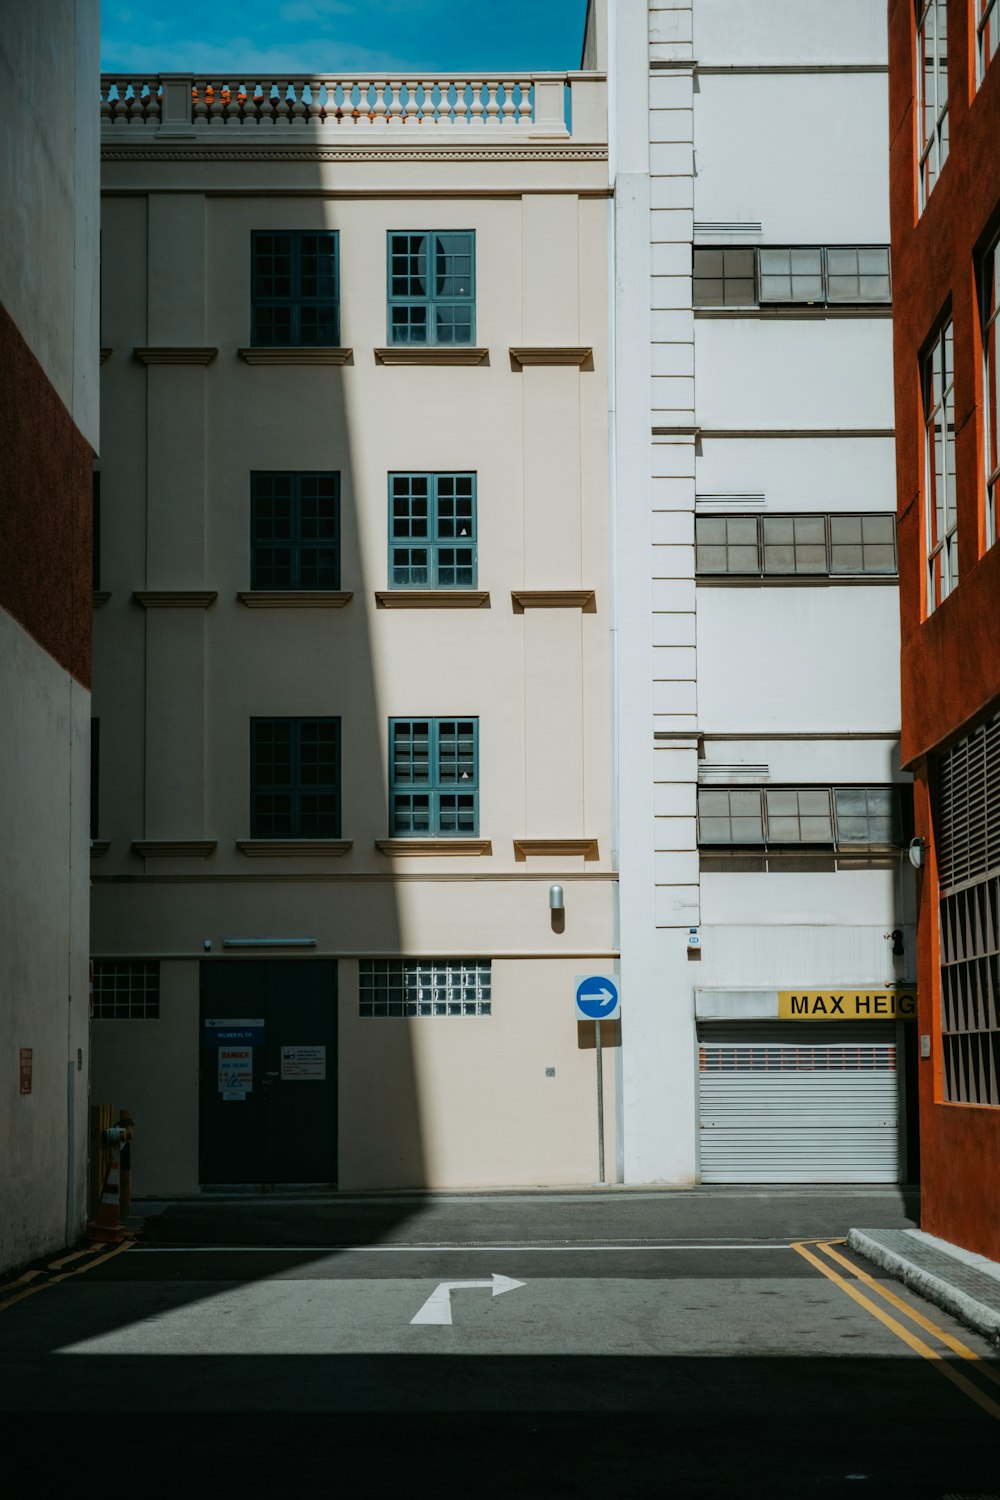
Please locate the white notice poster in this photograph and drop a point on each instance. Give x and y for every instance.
(299, 1063)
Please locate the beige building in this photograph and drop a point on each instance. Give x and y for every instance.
(352, 652)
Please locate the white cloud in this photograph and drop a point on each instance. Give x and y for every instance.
(249, 59)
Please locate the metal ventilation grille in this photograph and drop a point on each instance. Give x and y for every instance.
(723, 1058)
(968, 808)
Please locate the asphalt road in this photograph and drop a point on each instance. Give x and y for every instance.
(669, 1344)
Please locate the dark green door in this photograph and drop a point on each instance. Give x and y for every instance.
(268, 1053)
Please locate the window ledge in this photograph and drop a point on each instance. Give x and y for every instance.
(432, 599)
(840, 310)
(101, 597)
(174, 848)
(99, 847)
(294, 599)
(177, 355)
(403, 848)
(553, 354)
(555, 848)
(797, 580)
(584, 599)
(294, 848)
(297, 354)
(105, 355)
(432, 354)
(176, 598)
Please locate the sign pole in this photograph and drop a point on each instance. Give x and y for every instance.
(600, 1102)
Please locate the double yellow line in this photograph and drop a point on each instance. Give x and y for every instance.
(39, 1277)
(808, 1248)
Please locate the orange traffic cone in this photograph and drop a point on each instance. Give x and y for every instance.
(104, 1226)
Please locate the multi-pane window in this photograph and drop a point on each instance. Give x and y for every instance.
(432, 531)
(126, 990)
(837, 817)
(294, 288)
(940, 501)
(432, 295)
(932, 92)
(988, 30)
(295, 778)
(991, 387)
(838, 546)
(434, 777)
(424, 987)
(797, 274)
(295, 531)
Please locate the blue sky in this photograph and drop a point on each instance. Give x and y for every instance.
(334, 36)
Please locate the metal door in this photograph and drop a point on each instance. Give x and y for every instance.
(268, 1075)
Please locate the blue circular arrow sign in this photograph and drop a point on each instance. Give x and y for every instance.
(597, 998)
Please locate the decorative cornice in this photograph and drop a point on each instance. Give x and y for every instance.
(175, 598)
(432, 599)
(555, 848)
(553, 354)
(405, 848)
(523, 599)
(412, 354)
(294, 848)
(99, 847)
(257, 151)
(174, 848)
(178, 355)
(294, 598)
(326, 354)
(101, 597)
(105, 355)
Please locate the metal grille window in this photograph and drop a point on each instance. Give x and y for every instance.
(425, 987)
(126, 990)
(786, 546)
(294, 288)
(295, 778)
(967, 833)
(839, 817)
(988, 30)
(724, 278)
(434, 777)
(857, 274)
(794, 275)
(817, 274)
(295, 531)
(991, 388)
(432, 298)
(940, 508)
(432, 531)
(932, 92)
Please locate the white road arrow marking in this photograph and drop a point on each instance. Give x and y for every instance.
(437, 1308)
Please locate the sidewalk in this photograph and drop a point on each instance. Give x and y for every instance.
(964, 1284)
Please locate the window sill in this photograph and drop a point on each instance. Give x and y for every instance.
(99, 847)
(555, 848)
(432, 354)
(806, 311)
(294, 599)
(294, 848)
(176, 598)
(296, 354)
(432, 599)
(797, 580)
(561, 354)
(174, 848)
(101, 597)
(429, 847)
(178, 355)
(584, 599)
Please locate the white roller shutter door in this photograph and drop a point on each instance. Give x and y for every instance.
(798, 1103)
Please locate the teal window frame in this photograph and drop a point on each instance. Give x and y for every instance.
(299, 528)
(295, 791)
(434, 777)
(294, 301)
(424, 311)
(432, 531)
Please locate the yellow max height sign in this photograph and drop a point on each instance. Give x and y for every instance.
(847, 1005)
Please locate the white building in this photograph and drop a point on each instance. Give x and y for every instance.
(761, 805)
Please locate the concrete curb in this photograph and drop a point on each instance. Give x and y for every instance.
(969, 1310)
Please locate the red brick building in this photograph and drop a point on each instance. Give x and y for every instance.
(944, 102)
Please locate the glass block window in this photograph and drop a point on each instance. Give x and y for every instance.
(432, 531)
(794, 275)
(798, 815)
(940, 501)
(856, 274)
(730, 816)
(863, 544)
(794, 544)
(932, 92)
(987, 30)
(126, 990)
(432, 298)
(991, 388)
(295, 531)
(424, 987)
(727, 544)
(724, 277)
(295, 778)
(434, 777)
(868, 815)
(294, 288)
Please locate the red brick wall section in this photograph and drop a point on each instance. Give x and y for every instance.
(45, 514)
